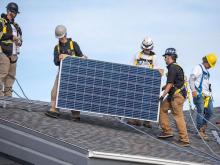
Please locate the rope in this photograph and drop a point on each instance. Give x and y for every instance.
(20, 89)
(208, 121)
(211, 157)
(191, 110)
(210, 149)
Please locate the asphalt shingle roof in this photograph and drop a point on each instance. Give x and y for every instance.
(108, 134)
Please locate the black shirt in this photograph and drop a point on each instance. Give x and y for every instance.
(175, 76)
(64, 48)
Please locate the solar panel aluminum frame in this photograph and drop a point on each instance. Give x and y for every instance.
(97, 113)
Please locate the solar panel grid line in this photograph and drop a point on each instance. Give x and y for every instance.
(113, 88)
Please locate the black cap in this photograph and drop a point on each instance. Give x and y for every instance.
(13, 7)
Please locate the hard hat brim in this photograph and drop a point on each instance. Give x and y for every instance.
(14, 11)
(211, 65)
(60, 36)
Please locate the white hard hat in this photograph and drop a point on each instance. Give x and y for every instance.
(147, 44)
(60, 31)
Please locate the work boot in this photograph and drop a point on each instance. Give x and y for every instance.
(134, 122)
(164, 135)
(181, 143)
(53, 114)
(75, 115)
(202, 133)
(147, 124)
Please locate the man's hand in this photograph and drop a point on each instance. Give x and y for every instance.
(161, 71)
(85, 57)
(163, 88)
(194, 94)
(15, 39)
(18, 42)
(62, 56)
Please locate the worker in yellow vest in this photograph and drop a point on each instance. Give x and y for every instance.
(10, 42)
(201, 92)
(65, 47)
(145, 58)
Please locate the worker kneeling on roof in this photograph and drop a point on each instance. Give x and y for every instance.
(66, 47)
(174, 101)
(10, 41)
(201, 92)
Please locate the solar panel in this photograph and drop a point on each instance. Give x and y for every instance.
(109, 88)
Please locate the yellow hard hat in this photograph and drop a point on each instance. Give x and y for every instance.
(212, 59)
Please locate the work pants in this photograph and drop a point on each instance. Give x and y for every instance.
(176, 107)
(7, 74)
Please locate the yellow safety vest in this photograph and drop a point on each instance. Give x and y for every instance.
(140, 55)
(4, 31)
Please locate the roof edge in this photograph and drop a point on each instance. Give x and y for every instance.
(136, 158)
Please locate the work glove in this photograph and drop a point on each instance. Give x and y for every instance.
(161, 99)
(85, 57)
(62, 56)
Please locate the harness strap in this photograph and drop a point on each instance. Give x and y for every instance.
(2, 21)
(4, 30)
(199, 89)
(71, 48)
(141, 59)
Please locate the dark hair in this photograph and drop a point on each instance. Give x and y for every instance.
(204, 59)
(174, 57)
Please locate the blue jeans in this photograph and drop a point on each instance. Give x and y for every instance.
(204, 114)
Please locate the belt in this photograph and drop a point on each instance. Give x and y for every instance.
(179, 90)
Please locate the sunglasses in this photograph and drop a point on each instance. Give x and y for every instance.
(12, 11)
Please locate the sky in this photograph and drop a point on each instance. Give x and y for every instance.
(112, 31)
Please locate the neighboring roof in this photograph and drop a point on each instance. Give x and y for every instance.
(108, 135)
(6, 160)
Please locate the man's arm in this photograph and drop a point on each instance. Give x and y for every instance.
(193, 77)
(56, 56)
(192, 80)
(170, 82)
(167, 89)
(77, 50)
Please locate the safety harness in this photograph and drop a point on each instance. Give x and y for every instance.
(183, 88)
(71, 48)
(140, 60)
(9, 41)
(4, 30)
(199, 89)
